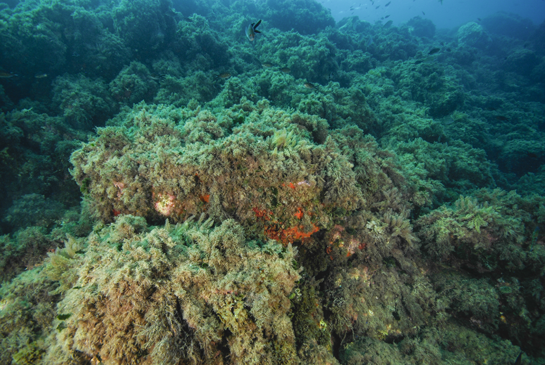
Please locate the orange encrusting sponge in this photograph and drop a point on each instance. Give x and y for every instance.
(288, 235)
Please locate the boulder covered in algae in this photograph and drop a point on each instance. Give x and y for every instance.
(279, 174)
(191, 293)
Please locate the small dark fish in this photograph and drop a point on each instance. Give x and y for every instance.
(388, 4)
(423, 13)
(388, 23)
(417, 62)
(501, 117)
(442, 43)
(224, 75)
(7, 75)
(449, 50)
(251, 30)
(479, 19)
(386, 17)
(308, 85)
(377, 7)
(285, 70)
(434, 51)
(267, 65)
(450, 120)
(40, 76)
(518, 361)
(532, 155)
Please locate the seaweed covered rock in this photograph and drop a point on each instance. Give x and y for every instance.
(522, 61)
(421, 27)
(179, 87)
(199, 87)
(27, 312)
(85, 103)
(262, 166)
(33, 210)
(496, 233)
(103, 55)
(370, 296)
(392, 44)
(35, 150)
(340, 106)
(33, 33)
(23, 250)
(310, 58)
(444, 345)
(509, 25)
(520, 155)
(304, 16)
(144, 26)
(50, 38)
(460, 168)
(472, 35)
(476, 226)
(133, 84)
(358, 61)
(198, 45)
(45, 226)
(187, 293)
(431, 84)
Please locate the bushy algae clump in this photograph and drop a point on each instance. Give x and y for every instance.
(266, 168)
(185, 292)
(495, 234)
(27, 311)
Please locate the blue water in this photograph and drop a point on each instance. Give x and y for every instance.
(446, 14)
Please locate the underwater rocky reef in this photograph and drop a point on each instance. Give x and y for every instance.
(330, 193)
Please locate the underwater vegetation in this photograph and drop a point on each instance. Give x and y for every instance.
(175, 192)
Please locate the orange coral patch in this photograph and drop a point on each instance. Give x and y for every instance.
(205, 198)
(272, 232)
(116, 212)
(292, 186)
(262, 213)
(288, 235)
(293, 234)
(299, 213)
